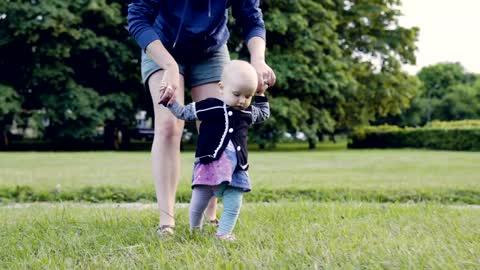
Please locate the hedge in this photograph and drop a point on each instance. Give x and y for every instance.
(456, 135)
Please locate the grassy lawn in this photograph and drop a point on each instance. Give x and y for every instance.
(271, 236)
(360, 173)
(345, 231)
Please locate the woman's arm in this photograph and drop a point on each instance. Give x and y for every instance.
(171, 73)
(141, 16)
(265, 74)
(249, 17)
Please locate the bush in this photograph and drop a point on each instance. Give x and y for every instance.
(455, 135)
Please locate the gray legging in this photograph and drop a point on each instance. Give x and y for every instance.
(232, 201)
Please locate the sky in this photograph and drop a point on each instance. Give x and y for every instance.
(449, 32)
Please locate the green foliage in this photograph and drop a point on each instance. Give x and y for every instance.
(462, 102)
(117, 108)
(286, 115)
(10, 103)
(79, 107)
(451, 92)
(440, 78)
(337, 63)
(375, 45)
(462, 135)
(322, 52)
(448, 92)
(10, 106)
(463, 124)
(66, 59)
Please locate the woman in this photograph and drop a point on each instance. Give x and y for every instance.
(184, 45)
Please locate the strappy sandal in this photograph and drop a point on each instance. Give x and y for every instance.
(165, 230)
(226, 237)
(213, 222)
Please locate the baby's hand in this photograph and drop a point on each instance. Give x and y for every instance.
(168, 86)
(266, 76)
(261, 90)
(164, 103)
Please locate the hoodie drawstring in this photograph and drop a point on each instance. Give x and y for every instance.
(181, 23)
(183, 19)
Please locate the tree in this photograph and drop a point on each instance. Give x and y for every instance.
(323, 55)
(10, 105)
(337, 63)
(448, 92)
(461, 103)
(438, 79)
(72, 60)
(375, 47)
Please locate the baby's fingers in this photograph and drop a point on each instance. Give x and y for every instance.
(166, 95)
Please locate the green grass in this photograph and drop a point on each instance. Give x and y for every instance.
(297, 233)
(271, 236)
(367, 175)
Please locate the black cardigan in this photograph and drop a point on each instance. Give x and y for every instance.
(221, 124)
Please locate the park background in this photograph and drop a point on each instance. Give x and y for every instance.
(365, 162)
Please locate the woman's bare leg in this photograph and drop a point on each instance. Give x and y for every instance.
(200, 93)
(166, 150)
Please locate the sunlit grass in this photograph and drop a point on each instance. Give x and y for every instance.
(279, 236)
(356, 169)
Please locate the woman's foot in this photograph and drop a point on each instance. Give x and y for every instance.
(165, 230)
(213, 222)
(226, 237)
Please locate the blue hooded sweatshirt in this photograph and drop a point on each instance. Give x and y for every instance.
(192, 28)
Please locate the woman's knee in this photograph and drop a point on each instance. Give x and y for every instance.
(169, 128)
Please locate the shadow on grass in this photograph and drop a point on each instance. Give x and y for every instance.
(116, 194)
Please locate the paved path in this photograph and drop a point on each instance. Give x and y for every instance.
(145, 206)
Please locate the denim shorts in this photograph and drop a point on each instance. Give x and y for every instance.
(195, 73)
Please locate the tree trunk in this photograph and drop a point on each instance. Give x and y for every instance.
(311, 144)
(125, 143)
(5, 140)
(109, 137)
(332, 137)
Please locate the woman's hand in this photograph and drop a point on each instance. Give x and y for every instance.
(171, 75)
(265, 74)
(169, 85)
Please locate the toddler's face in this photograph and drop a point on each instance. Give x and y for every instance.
(237, 94)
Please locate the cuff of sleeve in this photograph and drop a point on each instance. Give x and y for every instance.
(172, 106)
(261, 99)
(256, 32)
(147, 37)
